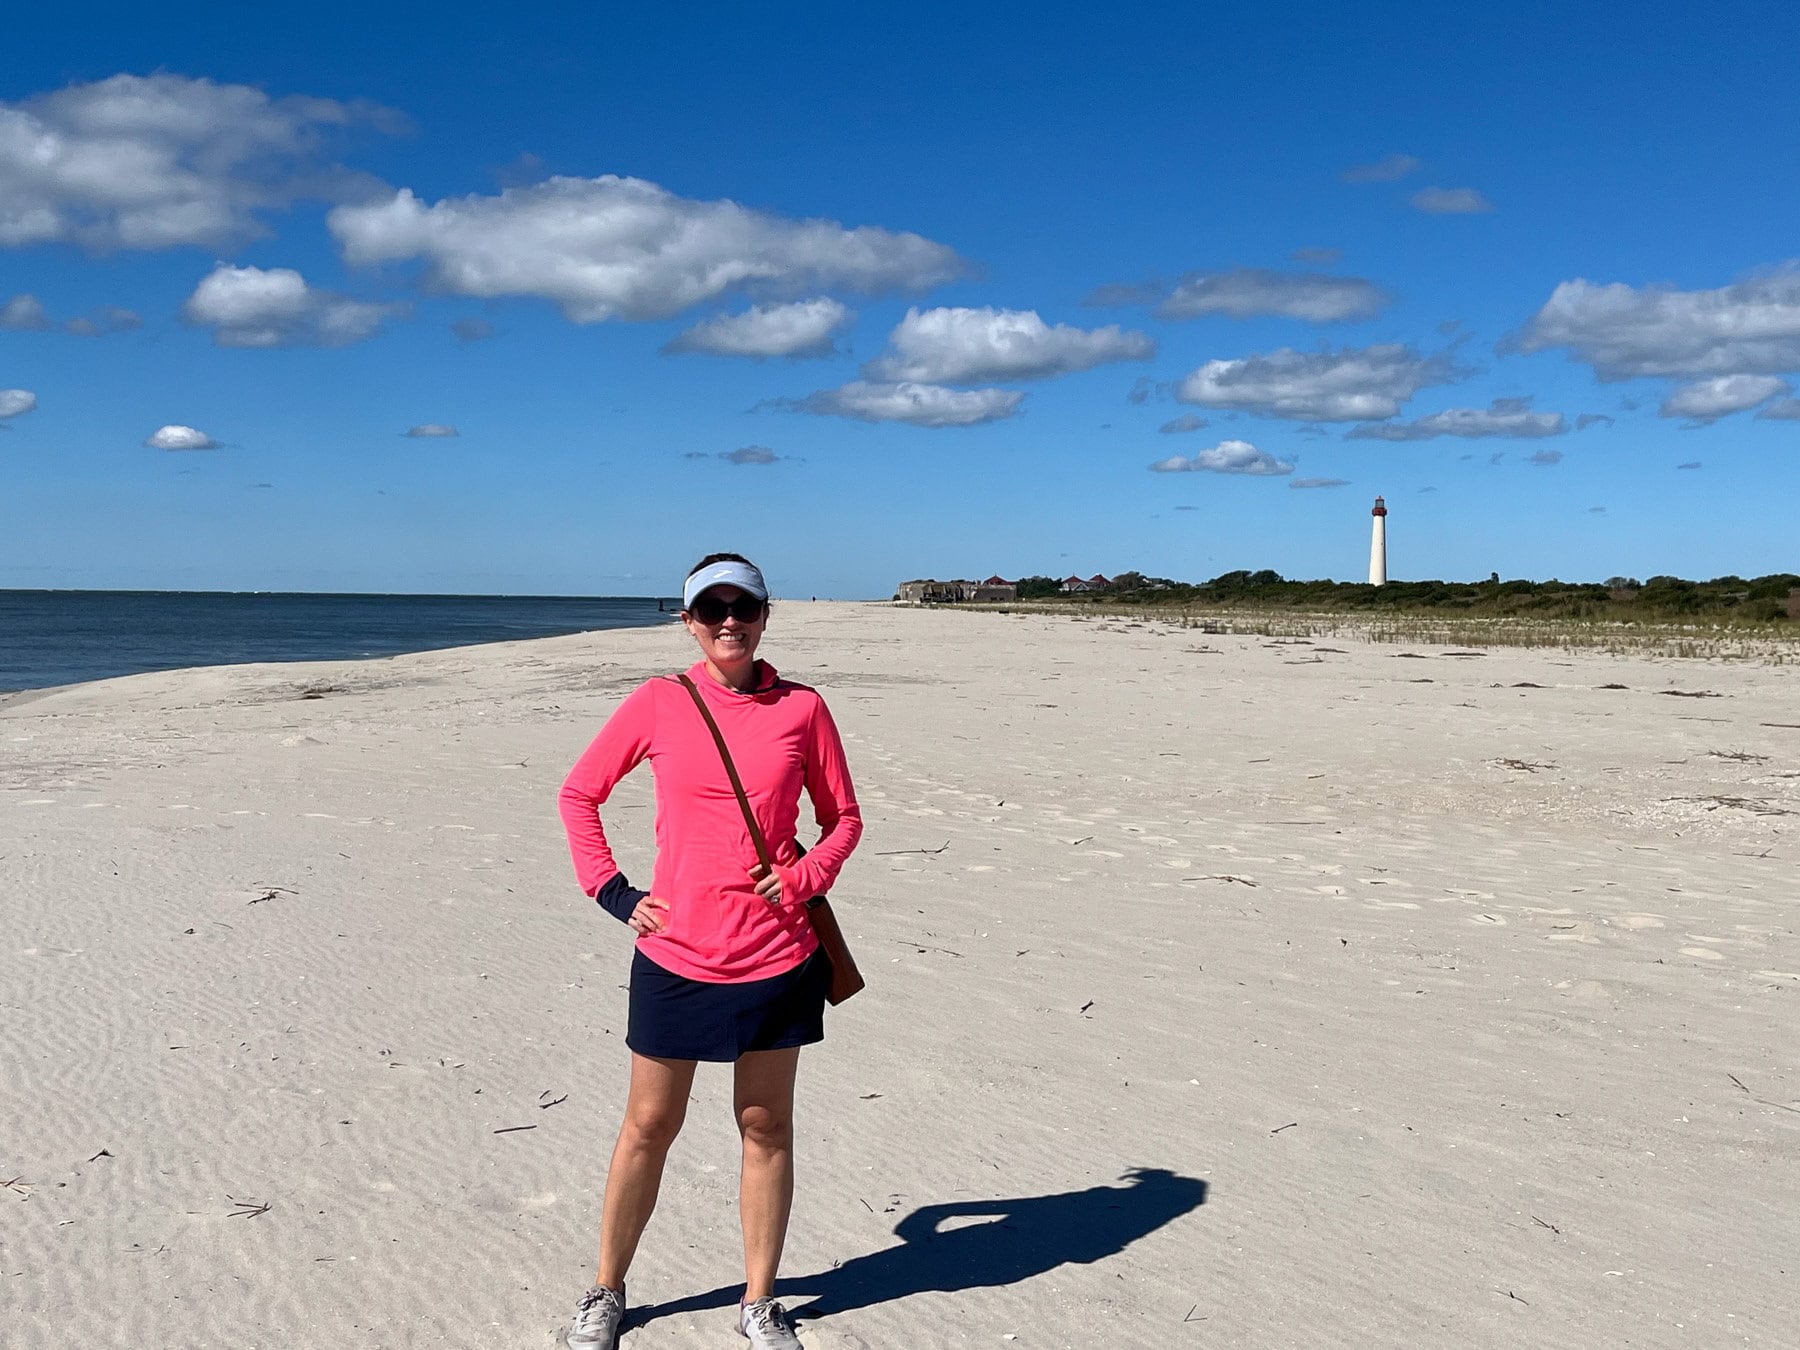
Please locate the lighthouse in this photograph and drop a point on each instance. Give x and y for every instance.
(1378, 545)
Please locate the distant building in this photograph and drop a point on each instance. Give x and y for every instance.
(931, 592)
(956, 592)
(1378, 544)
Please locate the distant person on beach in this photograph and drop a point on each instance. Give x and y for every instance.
(727, 967)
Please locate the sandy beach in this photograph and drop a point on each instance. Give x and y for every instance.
(1224, 991)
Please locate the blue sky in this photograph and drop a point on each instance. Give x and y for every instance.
(877, 293)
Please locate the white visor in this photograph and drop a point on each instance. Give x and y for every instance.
(742, 575)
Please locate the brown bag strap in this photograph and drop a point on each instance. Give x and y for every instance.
(737, 785)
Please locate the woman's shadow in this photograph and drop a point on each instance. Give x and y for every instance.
(1014, 1240)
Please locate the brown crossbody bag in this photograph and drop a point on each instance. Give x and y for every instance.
(846, 979)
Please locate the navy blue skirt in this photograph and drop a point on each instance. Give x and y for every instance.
(673, 1017)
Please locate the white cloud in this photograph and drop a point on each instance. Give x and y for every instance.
(623, 248)
(1246, 292)
(749, 454)
(1143, 389)
(1226, 457)
(15, 402)
(1510, 417)
(106, 319)
(1347, 385)
(1389, 170)
(1781, 410)
(803, 328)
(1586, 420)
(922, 405)
(1437, 201)
(967, 346)
(1545, 458)
(24, 312)
(1709, 400)
(1318, 482)
(177, 437)
(117, 318)
(1623, 332)
(1185, 423)
(27, 313)
(159, 161)
(429, 430)
(274, 307)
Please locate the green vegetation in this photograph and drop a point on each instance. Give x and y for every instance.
(1618, 600)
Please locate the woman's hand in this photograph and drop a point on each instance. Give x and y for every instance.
(650, 916)
(768, 882)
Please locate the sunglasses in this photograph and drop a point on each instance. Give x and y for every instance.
(709, 609)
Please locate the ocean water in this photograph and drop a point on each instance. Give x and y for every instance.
(62, 637)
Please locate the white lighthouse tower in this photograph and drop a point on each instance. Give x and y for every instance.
(1378, 545)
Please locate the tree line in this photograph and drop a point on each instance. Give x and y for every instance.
(1759, 599)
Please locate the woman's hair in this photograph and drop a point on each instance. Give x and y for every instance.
(712, 558)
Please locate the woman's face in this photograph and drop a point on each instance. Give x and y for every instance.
(729, 644)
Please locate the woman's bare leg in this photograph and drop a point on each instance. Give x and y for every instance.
(764, 1098)
(654, 1110)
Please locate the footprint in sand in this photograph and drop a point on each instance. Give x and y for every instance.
(1703, 953)
(1488, 918)
(1639, 921)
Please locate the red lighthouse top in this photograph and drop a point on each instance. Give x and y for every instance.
(1380, 507)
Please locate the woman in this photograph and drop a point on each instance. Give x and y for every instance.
(727, 967)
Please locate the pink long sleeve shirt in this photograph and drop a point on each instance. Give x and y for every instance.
(782, 739)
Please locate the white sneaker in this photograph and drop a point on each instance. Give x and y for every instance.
(766, 1325)
(597, 1319)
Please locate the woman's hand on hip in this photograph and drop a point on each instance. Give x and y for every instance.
(650, 916)
(768, 882)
